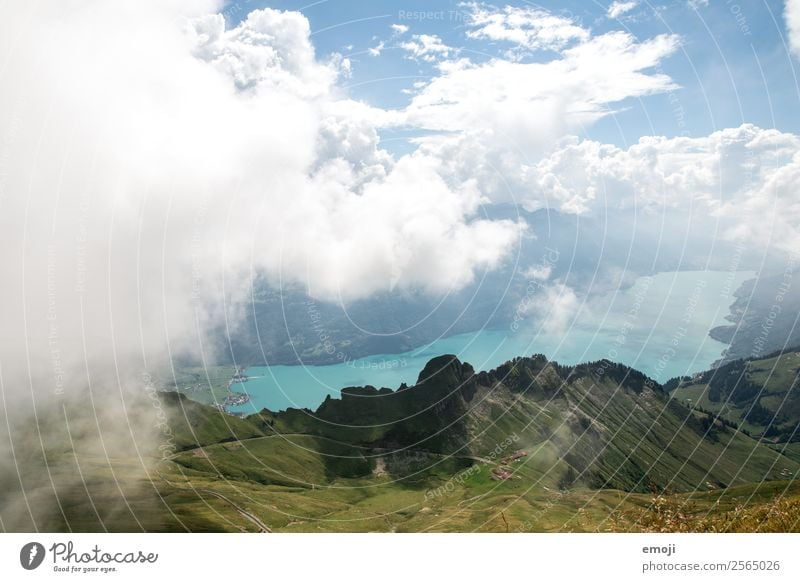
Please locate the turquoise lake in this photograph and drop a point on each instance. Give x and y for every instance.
(659, 325)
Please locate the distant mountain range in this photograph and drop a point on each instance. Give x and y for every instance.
(765, 317)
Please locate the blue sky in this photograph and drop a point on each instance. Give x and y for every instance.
(733, 65)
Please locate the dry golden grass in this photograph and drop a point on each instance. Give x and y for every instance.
(674, 514)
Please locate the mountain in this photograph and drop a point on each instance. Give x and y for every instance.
(529, 446)
(600, 425)
(760, 394)
(765, 317)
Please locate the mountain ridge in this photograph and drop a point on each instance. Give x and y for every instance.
(598, 424)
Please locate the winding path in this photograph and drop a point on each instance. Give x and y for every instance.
(246, 514)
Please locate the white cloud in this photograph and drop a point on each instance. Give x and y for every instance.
(158, 160)
(494, 119)
(268, 48)
(427, 47)
(618, 8)
(530, 28)
(422, 240)
(697, 4)
(743, 181)
(399, 28)
(377, 49)
(792, 15)
(579, 85)
(556, 308)
(540, 272)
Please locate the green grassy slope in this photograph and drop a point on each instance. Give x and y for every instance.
(193, 424)
(530, 446)
(600, 425)
(763, 395)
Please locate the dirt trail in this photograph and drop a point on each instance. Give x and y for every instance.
(246, 514)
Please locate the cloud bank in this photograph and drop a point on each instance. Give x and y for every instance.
(744, 182)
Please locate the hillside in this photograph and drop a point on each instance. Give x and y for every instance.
(600, 425)
(529, 446)
(759, 394)
(764, 317)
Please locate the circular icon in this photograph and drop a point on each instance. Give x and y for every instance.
(31, 555)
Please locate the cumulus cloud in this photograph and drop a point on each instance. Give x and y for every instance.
(791, 14)
(490, 121)
(540, 272)
(744, 181)
(530, 28)
(618, 8)
(270, 50)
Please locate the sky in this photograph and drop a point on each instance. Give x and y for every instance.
(733, 64)
(157, 156)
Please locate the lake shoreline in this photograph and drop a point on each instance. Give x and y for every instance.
(337, 356)
(667, 336)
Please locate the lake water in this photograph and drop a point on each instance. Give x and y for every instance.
(659, 325)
